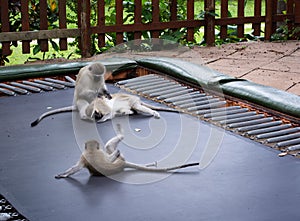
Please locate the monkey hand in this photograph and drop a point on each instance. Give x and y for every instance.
(59, 176)
(156, 114)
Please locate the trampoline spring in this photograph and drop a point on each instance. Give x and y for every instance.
(294, 148)
(288, 143)
(149, 83)
(175, 94)
(221, 109)
(159, 88)
(185, 97)
(138, 79)
(34, 84)
(278, 133)
(67, 84)
(226, 113)
(27, 87)
(7, 92)
(15, 89)
(191, 102)
(269, 129)
(71, 80)
(242, 118)
(167, 91)
(251, 122)
(211, 105)
(233, 116)
(54, 85)
(283, 138)
(264, 125)
(198, 105)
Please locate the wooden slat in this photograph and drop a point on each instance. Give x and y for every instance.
(137, 17)
(25, 25)
(155, 17)
(209, 29)
(257, 13)
(119, 20)
(224, 14)
(43, 24)
(35, 35)
(85, 29)
(269, 27)
(148, 27)
(297, 12)
(190, 17)
(63, 43)
(241, 14)
(173, 10)
(79, 21)
(101, 22)
(5, 27)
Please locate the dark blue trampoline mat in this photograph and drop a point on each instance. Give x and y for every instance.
(245, 181)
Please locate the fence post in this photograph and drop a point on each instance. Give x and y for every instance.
(5, 26)
(25, 25)
(297, 14)
(119, 20)
(209, 29)
(85, 24)
(43, 24)
(224, 14)
(190, 16)
(270, 24)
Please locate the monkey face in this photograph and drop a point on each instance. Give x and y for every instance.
(91, 145)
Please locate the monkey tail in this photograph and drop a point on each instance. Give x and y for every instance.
(154, 169)
(52, 112)
(160, 108)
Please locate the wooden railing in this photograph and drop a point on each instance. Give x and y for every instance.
(269, 18)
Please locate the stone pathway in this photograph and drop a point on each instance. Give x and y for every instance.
(272, 64)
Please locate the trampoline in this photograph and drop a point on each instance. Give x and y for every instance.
(245, 180)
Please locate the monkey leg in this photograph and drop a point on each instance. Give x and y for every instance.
(74, 169)
(112, 157)
(139, 107)
(112, 144)
(82, 106)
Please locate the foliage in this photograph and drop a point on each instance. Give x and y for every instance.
(34, 22)
(283, 33)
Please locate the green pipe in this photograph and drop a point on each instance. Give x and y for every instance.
(9, 73)
(263, 95)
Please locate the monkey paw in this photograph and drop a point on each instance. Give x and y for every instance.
(156, 115)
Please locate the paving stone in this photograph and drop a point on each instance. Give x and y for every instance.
(277, 79)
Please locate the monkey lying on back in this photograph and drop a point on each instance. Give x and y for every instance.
(90, 84)
(119, 104)
(109, 161)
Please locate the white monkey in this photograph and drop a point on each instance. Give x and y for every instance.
(119, 104)
(90, 84)
(109, 161)
(124, 104)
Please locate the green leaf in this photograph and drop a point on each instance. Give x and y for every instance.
(54, 45)
(36, 49)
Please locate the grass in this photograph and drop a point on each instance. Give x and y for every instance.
(18, 58)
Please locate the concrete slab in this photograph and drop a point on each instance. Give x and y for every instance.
(290, 64)
(277, 79)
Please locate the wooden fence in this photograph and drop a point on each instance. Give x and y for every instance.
(269, 18)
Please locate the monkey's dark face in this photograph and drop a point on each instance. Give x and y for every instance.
(92, 145)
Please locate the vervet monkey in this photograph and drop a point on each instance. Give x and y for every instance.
(105, 109)
(90, 84)
(108, 160)
(124, 104)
